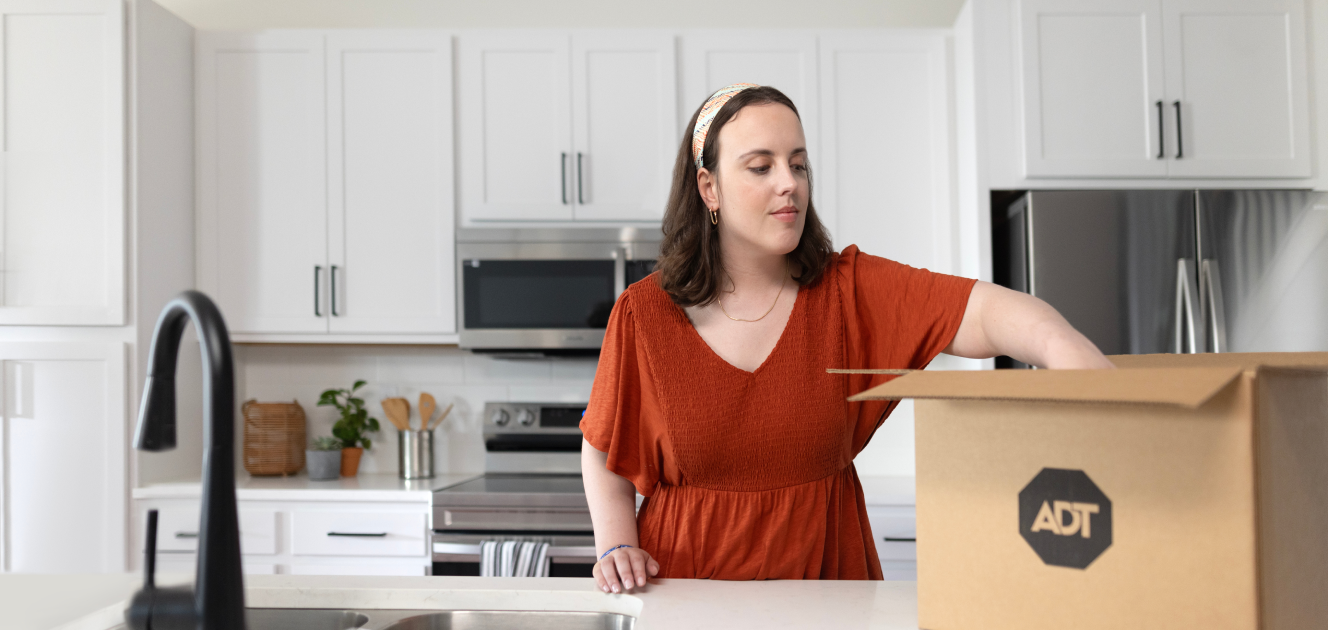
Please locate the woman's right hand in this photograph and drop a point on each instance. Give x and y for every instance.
(624, 569)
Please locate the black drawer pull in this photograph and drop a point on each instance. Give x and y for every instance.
(186, 534)
(358, 534)
(892, 539)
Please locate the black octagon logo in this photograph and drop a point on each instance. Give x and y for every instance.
(1065, 518)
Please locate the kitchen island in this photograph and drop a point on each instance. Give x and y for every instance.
(33, 601)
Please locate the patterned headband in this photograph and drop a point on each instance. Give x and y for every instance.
(707, 116)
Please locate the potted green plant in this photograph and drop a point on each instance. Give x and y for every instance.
(323, 457)
(350, 429)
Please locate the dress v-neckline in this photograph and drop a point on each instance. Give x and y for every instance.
(696, 334)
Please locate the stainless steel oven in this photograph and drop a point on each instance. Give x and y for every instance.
(545, 291)
(531, 491)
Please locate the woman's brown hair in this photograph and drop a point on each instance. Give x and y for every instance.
(690, 268)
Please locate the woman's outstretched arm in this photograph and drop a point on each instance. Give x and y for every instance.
(999, 321)
(612, 501)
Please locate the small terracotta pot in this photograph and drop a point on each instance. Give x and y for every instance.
(350, 461)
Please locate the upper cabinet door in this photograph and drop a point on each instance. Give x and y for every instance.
(783, 59)
(885, 179)
(1092, 84)
(624, 105)
(390, 194)
(262, 202)
(1237, 70)
(62, 194)
(515, 157)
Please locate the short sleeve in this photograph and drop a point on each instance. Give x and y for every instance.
(613, 421)
(907, 315)
(895, 317)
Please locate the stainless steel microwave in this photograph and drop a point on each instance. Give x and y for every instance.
(545, 291)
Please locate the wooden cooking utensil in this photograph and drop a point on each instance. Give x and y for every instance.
(427, 406)
(440, 417)
(398, 412)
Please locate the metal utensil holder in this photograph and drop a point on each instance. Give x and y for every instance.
(415, 454)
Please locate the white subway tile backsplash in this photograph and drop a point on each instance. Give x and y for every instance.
(423, 365)
(272, 373)
(578, 370)
(484, 369)
(568, 393)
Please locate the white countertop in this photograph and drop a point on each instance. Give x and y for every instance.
(388, 487)
(364, 487)
(96, 602)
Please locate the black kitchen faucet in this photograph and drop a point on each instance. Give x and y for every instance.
(218, 601)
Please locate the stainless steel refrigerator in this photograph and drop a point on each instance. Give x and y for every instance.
(1154, 271)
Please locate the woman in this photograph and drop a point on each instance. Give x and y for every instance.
(712, 399)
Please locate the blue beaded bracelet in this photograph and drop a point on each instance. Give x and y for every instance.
(613, 550)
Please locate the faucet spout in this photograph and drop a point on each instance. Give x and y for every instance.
(218, 598)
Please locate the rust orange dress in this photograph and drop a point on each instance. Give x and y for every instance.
(749, 475)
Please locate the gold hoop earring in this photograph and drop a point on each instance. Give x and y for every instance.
(714, 217)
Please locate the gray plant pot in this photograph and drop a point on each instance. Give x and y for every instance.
(323, 465)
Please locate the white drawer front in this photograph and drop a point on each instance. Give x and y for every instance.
(358, 569)
(894, 528)
(178, 530)
(359, 534)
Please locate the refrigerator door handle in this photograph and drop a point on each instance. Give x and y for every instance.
(1185, 308)
(1217, 318)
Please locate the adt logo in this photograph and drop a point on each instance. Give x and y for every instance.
(1065, 518)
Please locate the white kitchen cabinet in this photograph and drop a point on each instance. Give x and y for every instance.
(1093, 76)
(885, 179)
(1237, 69)
(895, 529)
(325, 184)
(304, 533)
(62, 457)
(560, 127)
(624, 109)
(262, 180)
(62, 168)
(783, 59)
(515, 127)
(390, 192)
(1099, 101)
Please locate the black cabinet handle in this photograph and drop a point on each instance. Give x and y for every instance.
(186, 534)
(358, 534)
(579, 197)
(1180, 144)
(318, 272)
(332, 277)
(892, 539)
(1161, 132)
(564, 178)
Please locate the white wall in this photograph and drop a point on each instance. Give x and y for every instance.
(251, 14)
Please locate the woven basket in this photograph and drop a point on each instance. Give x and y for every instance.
(273, 438)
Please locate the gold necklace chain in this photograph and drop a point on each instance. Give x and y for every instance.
(772, 305)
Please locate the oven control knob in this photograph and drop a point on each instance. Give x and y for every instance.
(525, 417)
(500, 417)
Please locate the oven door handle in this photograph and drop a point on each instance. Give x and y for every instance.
(462, 549)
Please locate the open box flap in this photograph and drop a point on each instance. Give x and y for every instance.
(1249, 360)
(1187, 387)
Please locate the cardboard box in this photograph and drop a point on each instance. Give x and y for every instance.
(1182, 491)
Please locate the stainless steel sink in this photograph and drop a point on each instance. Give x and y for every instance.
(315, 619)
(511, 620)
(303, 619)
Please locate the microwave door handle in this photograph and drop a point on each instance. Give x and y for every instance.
(1217, 317)
(619, 271)
(1185, 311)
